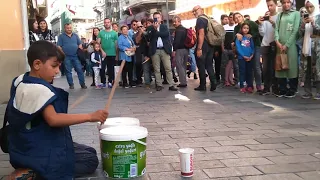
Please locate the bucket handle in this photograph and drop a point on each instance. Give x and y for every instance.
(140, 142)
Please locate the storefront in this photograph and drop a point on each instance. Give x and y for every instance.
(14, 37)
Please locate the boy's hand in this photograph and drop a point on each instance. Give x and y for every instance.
(99, 116)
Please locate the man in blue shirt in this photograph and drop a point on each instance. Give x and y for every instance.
(70, 43)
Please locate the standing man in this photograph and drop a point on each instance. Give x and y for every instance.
(204, 52)
(227, 51)
(69, 43)
(180, 52)
(160, 51)
(108, 39)
(255, 35)
(268, 47)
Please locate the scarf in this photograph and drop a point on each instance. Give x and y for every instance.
(306, 49)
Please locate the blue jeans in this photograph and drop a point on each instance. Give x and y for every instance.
(89, 67)
(73, 61)
(193, 60)
(147, 72)
(245, 71)
(257, 66)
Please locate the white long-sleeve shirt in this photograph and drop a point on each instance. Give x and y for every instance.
(267, 31)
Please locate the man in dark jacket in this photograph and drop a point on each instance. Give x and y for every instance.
(160, 50)
(180, 52)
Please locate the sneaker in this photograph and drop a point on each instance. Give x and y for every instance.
(104, 85)
(126, 86)
(249, 90)
(279, 93)
(147, 86)
(84, 86)
(200, 88)
(213, 87)
(317, 96)
(290, 94)
(306, 96)
(243, 90)
(109, 85)
(98, 87)
(259, 89)
(265, 92)
(172, 88)
(159, 88)
(182, 85)
(71, 87)
(93, 84)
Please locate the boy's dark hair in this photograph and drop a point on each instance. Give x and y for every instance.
(223, 16)
(114, 24)
(123, 26)
(134, 21)
(150, 20)
(245, 16)
(43, 50)
(275, 1)
(155, 13)
(231, 14)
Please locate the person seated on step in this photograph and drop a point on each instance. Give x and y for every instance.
(38, 133)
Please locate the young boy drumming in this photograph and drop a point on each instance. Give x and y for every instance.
(38, 133)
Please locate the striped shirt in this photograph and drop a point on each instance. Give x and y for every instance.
(229, 36)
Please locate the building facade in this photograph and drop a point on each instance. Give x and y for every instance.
(107, 8)
(81, 16)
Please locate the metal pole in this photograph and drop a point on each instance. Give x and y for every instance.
(167, 4)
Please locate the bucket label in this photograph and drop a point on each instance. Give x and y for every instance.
(123, 159)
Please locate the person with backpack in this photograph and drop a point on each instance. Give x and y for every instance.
(180, 51)
(209, 33)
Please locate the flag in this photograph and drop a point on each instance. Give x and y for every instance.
(71, 8)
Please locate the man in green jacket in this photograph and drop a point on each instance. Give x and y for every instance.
(254, 33)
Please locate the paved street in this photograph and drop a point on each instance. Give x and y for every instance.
(235, 136)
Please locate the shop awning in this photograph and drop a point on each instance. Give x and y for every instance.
(203, 4)
(129, 19)
(141, 15)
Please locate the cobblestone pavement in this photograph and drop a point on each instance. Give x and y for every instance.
(235, 136)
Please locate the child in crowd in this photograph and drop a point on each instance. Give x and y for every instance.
(38, 133)
(96, 58)
(245, 49)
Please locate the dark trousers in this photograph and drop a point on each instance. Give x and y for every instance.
(293, 84)
(109, 63)
(245, 71)
(205, 62)
(138, 65)
(86, 160)
(217, 61)
(127, 72)
(268, 57)
(63, 69)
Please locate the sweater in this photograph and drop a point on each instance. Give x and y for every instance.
(254, 31)
(245, 47)
(267, 31)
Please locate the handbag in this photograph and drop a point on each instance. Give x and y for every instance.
(4, 143)
(282, 62)
(130, 53)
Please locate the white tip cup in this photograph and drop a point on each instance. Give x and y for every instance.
(186, 161)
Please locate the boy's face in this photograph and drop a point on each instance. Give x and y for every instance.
(48, 70)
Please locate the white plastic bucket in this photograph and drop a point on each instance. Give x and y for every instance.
(123, 151)
(119, 121)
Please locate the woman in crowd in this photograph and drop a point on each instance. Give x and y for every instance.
(95, 32)
(44, 33)
(126, 51)
(286, 33)
(308, 48)
(33, 28)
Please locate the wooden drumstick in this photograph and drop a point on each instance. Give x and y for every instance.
(115, 84)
